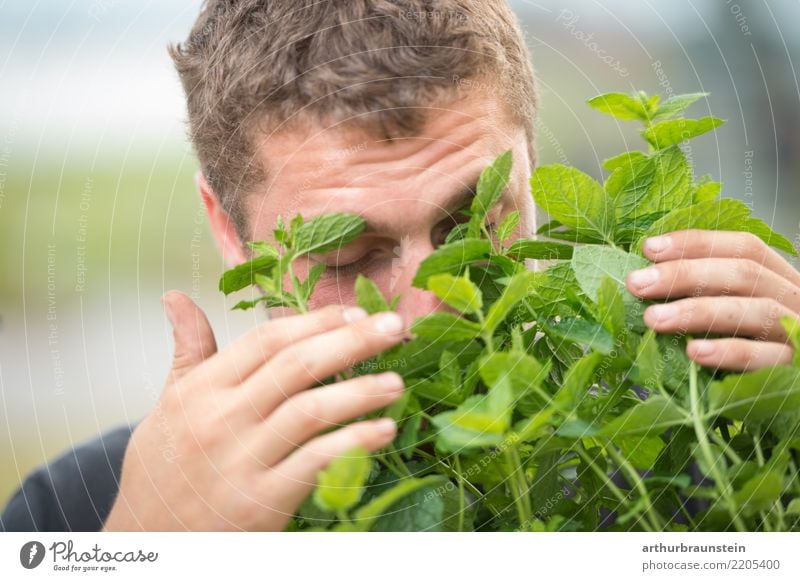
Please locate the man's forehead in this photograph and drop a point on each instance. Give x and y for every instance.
(344, 168)
(471, 124)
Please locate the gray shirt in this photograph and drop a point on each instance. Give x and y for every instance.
(75, 492)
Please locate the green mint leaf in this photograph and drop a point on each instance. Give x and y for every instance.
(243, 275)
(650, 418)
(438, 392)
(582, 332)
(645, 185)
(758, 395)
(760, 492)
(326, 233)
(649, 364)
(777, 240)
(457, 291)
(792, 326)
(341, 484)
(578, 379)
(675, 131)
(508, 226)
(408, 439)
(640, 451)
(723, 214)
(459, 232)
(554, 291)
(366, 516)
(574, 199)
(520, 370)
(281, 234)
(706, 189)
(295, 224)
(539, 250)
(611, 308)
(247, 305)
(636, 226)
(307, 286)
(491, 184)
(451, 259)
(548, 227)
(520, 285)
(445, 327)
(592, 263)
(629, 158)
(675, 105)
(263, 248)
(419, 511)
(474, 424)
(450, 369)
(621, 105)
(369, 297)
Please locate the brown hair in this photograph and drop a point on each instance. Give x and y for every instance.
(252, 66)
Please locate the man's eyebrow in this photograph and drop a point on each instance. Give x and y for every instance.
(451, 206)
(461, 200)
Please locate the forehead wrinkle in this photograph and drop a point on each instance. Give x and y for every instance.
(421, 210)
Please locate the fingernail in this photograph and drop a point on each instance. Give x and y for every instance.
(663, 313)
(642, 279)
(702, 348)
(354, 314)
(391, 381)
(389, 323)
(385, 426)
(658, 244)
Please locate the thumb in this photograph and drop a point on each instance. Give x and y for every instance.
(194, 338)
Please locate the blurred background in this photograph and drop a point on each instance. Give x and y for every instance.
(99, 215)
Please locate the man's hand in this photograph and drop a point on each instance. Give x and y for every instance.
(233, 443)
(736, 286)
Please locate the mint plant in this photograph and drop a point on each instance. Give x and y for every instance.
(546, 403)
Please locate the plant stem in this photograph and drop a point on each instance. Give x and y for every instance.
(615, 490)
(390, 466)
(726, 448)
(302, 307)
(720, 481)
(757, 446)
(637, 481)
(398, 462)
(487, 337)
(451, 472)
(522, 482)
(460, 494)
(522, 513)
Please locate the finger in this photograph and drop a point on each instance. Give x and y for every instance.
(296, 476)
(712, 277)
(307, 362)
(758, 318)
(738, 354)
(310, 412)
(239, 360)
(191, 331)
(718, 244)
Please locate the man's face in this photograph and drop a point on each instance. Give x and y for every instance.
(408, 191)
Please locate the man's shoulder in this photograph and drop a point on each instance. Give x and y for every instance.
(74, 492)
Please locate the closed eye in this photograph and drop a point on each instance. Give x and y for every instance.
(351, 268)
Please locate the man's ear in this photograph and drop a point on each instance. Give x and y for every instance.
(221, 224)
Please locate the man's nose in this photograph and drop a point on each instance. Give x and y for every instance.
(414, 302)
